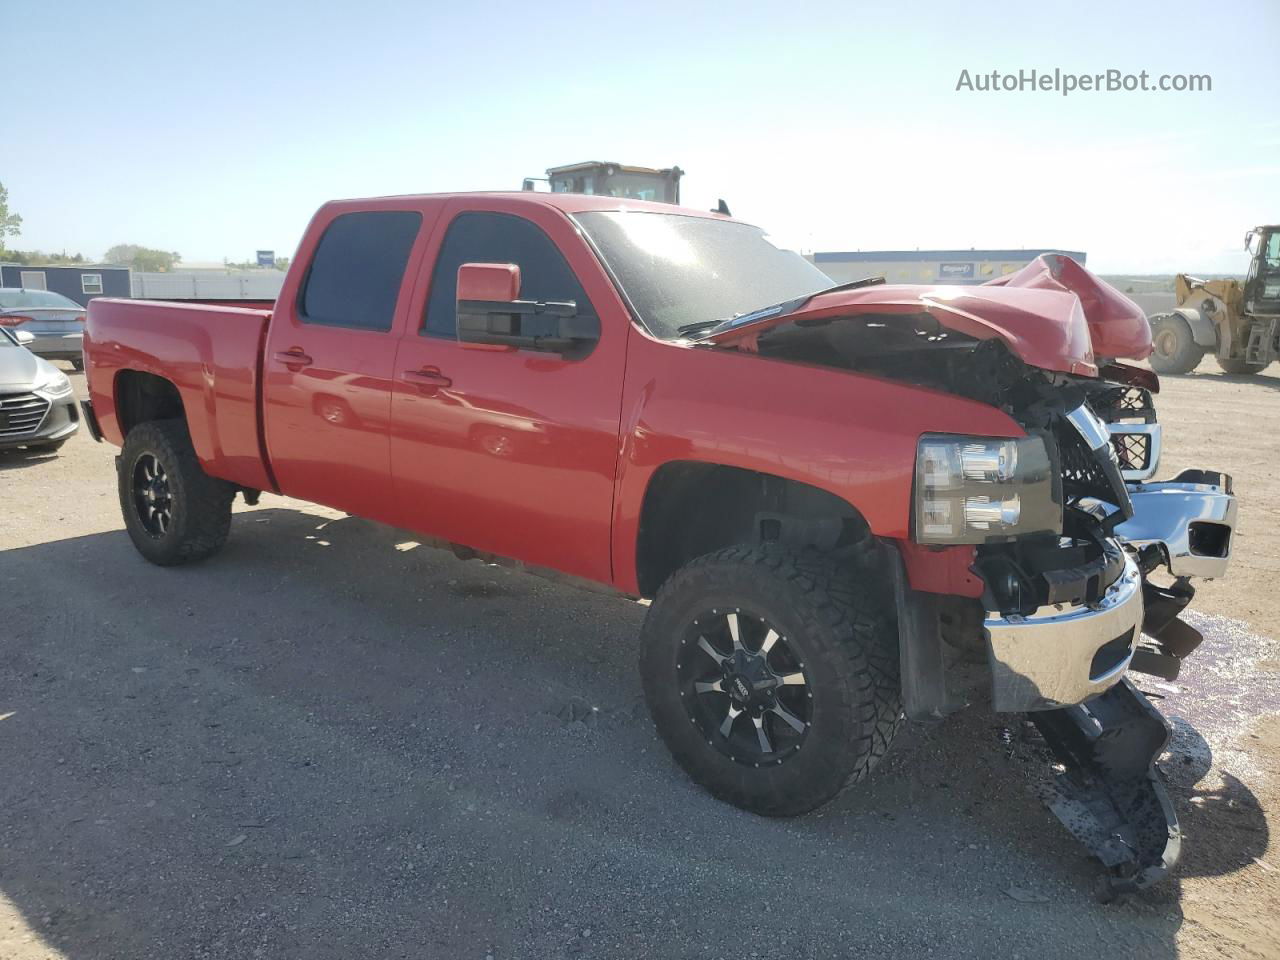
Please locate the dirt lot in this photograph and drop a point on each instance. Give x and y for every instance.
(327, 742)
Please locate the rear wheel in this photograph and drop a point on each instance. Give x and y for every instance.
(174, 511)
(77, 365)
(1240, 366)
(1173, 348)
(772, 677)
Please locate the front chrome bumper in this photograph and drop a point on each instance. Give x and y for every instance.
(1062, 655)
(1191, 518)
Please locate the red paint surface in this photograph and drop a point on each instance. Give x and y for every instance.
(488, 281)
(1118, 327)
(536, 457)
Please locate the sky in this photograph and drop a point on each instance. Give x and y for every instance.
(216, 130)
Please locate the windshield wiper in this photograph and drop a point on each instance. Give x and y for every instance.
(700, 325)
(851, 285)
(774, 309)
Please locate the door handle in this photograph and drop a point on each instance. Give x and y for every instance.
(292, 358)
(428, 377)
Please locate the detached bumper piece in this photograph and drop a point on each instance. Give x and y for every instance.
(1190, 518)
(1111, 795)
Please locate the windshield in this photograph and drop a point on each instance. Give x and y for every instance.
(32, 299)
(6, 339)
(679, 270)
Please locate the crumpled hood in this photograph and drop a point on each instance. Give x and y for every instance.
(1118, 327)
(1051, 315)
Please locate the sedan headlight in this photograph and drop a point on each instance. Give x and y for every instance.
(981, 489)
(54, 384)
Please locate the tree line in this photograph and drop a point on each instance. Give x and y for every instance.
(132, 255)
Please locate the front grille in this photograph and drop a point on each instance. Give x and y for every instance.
(1133, 450)
(1082, 472)
(1124, 404)
(1137, 448)
(1089, 476)
(21, 414)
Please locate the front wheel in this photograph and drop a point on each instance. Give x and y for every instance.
(771, 676)
(174, 511)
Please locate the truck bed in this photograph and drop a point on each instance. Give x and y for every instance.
(210, 351)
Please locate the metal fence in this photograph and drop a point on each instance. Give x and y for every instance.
(208, 285)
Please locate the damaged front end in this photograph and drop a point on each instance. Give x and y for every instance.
(1069, 609)
(1067, 622)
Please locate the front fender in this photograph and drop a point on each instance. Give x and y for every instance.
(851, 435)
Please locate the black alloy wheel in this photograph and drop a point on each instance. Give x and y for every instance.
(744, 687)
(173, 510)
(772, 675)
(152, 498)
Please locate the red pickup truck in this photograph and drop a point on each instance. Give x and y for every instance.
(845, 503)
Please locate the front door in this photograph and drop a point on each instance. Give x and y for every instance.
(511, 452)
(330, 357)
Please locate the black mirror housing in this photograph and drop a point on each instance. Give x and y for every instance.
(550, 326)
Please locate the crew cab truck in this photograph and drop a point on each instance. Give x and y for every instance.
(846, 504)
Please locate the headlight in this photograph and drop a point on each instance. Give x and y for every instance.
(54, 384)
(979, 489)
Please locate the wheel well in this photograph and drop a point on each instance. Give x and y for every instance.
(691, 509)
(144, 396)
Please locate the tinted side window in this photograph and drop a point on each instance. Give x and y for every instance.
(500, 238)
(355, 275)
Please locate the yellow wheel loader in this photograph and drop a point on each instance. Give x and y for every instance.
(1238, 323)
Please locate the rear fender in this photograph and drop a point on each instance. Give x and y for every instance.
(217, 376)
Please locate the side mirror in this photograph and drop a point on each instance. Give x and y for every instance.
(1248, 241)
(24, 337)
(490, 314)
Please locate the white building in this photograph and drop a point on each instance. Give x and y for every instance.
(930, 266)
(214, 281)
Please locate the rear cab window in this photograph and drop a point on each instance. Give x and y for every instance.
(482, 237)
(355, 274)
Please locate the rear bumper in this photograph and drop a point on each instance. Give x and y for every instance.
(1062, 655)
(57, 346)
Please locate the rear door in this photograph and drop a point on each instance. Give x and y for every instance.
(330, 354)
(510, 452)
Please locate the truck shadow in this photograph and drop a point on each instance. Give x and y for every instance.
(329, 741)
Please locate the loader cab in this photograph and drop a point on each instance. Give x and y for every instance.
(1262, 285)
(614, 180)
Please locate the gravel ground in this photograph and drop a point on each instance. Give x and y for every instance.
(329, 742)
